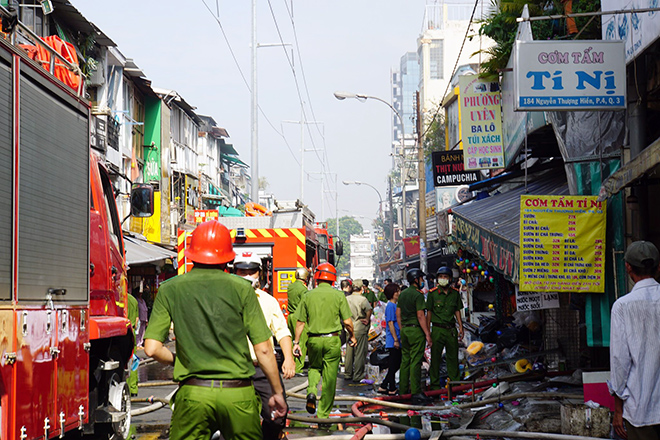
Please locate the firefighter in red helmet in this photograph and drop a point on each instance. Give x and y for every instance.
(322, 312)
(213, 312)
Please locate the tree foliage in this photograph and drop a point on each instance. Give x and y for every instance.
(501, 26)
(434, 139)
(347, 226)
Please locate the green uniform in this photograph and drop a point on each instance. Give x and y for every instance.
(294, 293)
(133, 315)
(382, 297)
(371, 296)
(322, 310)
(443, 303)
(356, 357)
(413, 341)
(212, 312)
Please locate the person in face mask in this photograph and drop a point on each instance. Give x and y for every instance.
(411, 317)
(444, 305)
(247, 265)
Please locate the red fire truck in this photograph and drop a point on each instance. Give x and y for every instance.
(65, 339)
(286, 240)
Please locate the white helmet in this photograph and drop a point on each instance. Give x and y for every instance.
(247, 260)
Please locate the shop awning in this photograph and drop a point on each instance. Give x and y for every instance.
(490, 227)
(142, 252)
(234, 160)
(644, 164)
(228, 149)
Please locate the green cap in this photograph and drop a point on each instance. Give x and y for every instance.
(642, 254)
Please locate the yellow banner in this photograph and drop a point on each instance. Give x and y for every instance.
(562, 244)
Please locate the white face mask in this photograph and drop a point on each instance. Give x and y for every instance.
(254, 279)
(443, 282)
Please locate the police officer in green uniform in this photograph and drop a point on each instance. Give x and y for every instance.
(322, 311)
(369, 294)
(213, 312)
(294, 293)
(415, 334)
(444, 305)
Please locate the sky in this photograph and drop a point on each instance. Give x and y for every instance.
(338, 45)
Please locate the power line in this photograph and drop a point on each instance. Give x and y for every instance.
(295, 78)
(467, 31)
(238, 66)
(302, 69)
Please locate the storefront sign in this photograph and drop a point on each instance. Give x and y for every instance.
(562, 244)
(496, 252)
(431, 226)
(448, 169)
(638, 30)
(481, 123)
(528, 301)
(204, 215)
(570, 75)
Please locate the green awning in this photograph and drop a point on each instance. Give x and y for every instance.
(234, 160)
(228, 149)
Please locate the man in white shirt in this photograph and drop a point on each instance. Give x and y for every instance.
(247, 265)
(634, 348)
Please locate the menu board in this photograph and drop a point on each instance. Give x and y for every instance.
(562, 244)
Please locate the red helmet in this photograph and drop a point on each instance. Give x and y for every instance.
(326, 272)
(210, 244)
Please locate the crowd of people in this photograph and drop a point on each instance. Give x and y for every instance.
(224, 325)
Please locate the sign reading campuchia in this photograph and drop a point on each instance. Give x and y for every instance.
(562, 244)
(569, 75)
(448, 169)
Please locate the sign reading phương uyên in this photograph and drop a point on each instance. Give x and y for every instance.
(562, 244)
(481, 123)
(570, 75)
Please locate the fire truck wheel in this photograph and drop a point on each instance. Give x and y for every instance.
(120, 398)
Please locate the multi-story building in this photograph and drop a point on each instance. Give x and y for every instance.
(405, 84)
(443, 34)
(362, 256)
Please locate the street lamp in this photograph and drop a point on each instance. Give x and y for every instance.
(360, 97)
(380, 206)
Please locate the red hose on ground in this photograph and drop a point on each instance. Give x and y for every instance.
(360, 433)
(355, 409)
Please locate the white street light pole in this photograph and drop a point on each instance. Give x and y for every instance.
(380, 206)
(360, 97)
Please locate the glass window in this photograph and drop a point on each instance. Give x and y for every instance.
(114, 227)
(435, 59)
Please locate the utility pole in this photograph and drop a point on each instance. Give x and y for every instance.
(421, 178)
(302, 123)
(254, 157)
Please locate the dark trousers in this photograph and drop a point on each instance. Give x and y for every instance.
(651, 432)
(389, 383)
(271, 428)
